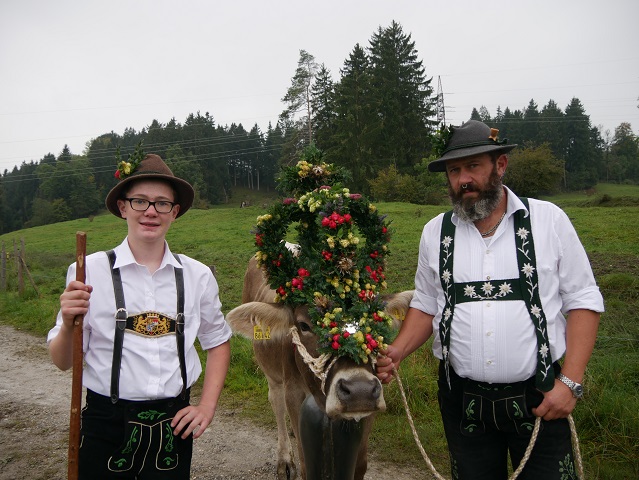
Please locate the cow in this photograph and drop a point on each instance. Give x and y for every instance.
(342, 391)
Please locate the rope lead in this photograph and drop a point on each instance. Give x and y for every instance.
(522, 464)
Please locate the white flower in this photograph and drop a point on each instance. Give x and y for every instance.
(446, 276)
(505, 289)
(543, 350)
(487, 288)
(522, 233)
(445, 351)
(447, 241)
(528, 269)
(469, 291)
(535, 310)
(447, 314)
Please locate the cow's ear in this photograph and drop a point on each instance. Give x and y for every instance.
(397, 305)
(276, 319)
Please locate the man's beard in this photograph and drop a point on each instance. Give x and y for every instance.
(471, 210)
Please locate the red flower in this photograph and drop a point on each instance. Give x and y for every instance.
(259, 239)
(336, 337)
(377, 318)
(355, 196)
(346, 334)
(302, 272)
(347, 218)
(117, 174)
(375, 254)
(335, 346)
(327, 255)
(288, 201)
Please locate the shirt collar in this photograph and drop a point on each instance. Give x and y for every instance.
(124, 256)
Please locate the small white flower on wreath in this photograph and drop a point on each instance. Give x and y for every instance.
(446, 276)
(528, 270)
(543, 350)
(487, 288)
(505, 288)
(522, 233)
(447, 241)
(469, 291)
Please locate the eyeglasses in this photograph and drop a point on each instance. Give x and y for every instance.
(142, 205)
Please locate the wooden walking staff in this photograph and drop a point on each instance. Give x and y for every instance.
(76, 384)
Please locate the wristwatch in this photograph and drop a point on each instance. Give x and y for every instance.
(576, 388)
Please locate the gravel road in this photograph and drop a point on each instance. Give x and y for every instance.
(34, 422)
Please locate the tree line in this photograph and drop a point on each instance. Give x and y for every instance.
(377, 120)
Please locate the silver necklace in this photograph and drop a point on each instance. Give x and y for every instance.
(485, 234)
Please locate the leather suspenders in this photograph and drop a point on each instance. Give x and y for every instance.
(121, 317)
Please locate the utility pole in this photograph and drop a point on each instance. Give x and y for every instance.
(441, 111)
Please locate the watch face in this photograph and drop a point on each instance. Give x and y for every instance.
(578, 391)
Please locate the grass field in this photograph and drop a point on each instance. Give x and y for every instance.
(607, 420)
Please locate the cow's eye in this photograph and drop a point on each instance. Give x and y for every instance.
(304, 327)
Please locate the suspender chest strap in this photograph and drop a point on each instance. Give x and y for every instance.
(124, 321)
(524, 288)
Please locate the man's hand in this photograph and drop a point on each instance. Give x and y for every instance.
(74, 301)
(387, 359)
(558, 403)
(192, 420)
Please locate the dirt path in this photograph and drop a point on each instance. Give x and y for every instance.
(34, 422)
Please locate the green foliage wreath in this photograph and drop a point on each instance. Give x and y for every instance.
(339, 268)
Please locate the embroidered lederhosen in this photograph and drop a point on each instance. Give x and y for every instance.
(525, 288)
(146, 419)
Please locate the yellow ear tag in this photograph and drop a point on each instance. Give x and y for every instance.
(259, 334)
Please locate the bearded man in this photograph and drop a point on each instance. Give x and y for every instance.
(505, 286)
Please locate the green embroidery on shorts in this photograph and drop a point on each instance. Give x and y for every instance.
(528, 426)
(129, 445)
(169, 438)
(470, 428)
(470, 410)
(518, 413)
(150, 415)
(168, 461)
(453, 467)
(567, 468)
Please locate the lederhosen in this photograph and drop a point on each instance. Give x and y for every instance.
(148, 442)
(485, 406)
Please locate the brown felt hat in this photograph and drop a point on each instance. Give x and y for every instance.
(471, 138)
(152, 167)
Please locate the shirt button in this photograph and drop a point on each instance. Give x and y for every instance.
(489, 362)
(488, 277)
(489, 334)
(487, 304)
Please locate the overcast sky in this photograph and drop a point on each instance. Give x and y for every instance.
(71, 70)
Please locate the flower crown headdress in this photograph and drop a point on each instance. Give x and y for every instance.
(127, 167)
(339, 269)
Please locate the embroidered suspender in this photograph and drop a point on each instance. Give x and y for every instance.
(525, 288)
(122, 318)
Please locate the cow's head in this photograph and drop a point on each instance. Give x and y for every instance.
(342, 387)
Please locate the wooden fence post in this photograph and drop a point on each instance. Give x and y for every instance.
(3, 269)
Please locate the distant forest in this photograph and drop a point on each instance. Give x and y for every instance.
(378, 121)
